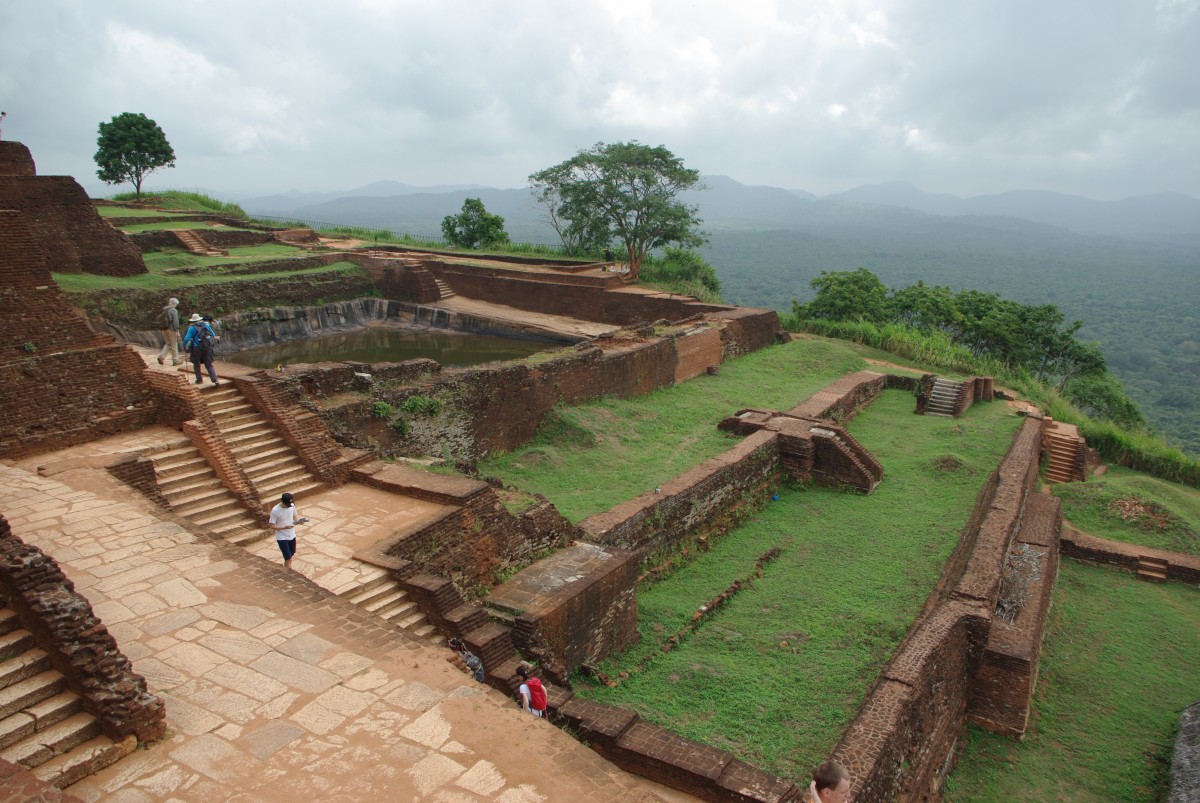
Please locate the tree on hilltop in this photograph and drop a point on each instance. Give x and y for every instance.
(131, 146)
(474, 226)
(624, 191)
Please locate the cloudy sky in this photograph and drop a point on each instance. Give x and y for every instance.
(1095, 97)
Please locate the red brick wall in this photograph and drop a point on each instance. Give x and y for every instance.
(696, 352)
(71, 233)
(62, 383)
(15, 159)
(78, 644)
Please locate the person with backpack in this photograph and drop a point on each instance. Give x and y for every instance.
(201, 342)
(533, 693)
(469, 658)
(169, 318)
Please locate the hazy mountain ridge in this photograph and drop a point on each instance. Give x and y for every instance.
(1136, 294)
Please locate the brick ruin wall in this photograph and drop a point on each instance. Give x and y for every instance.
(62, 220)
(695, 501)
(77, 643)
(16, 160)
(1120, 555)
(147, 241)
(63, 384)
(903, 741)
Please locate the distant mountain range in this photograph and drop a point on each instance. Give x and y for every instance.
(1130, 269)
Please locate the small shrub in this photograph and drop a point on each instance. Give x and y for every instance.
(421, 405)
(29, 346)
(382, 409)
(400, 427)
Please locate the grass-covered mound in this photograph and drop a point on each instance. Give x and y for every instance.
(588, 458)
(179, 201)
(1135, 508)
(1118, 666)
(778, 673)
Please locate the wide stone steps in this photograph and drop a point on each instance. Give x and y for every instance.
(943, 397)
(191, 241)
(195, 492)
(1062, 452)
(43, 726)
(384, 597)
(444, 290)
(1151, 569)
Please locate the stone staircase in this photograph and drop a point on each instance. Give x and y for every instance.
(444, 290)
(1063, 444)
(259, 449)
(943, 397)
(193, 490)
(383, 596)
(43, 726)
(1151, 569)
(195, 244)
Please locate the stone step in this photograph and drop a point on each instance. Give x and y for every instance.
(233, 405)
(300, 487)
(14, 643)
(266, 470)
(41, 746)
(238, 430)
(86, 759)
(246, 535)
(229, 423)
(217, 512)
(386, 600)
(255, 457)
(248, 441)
(9, 621)
(369, 592)
(30, 691)
(202, 472)
(27, 664)
(401, 609)
(200, 502)
(39, 715)
(170, 467)
(1151, 575)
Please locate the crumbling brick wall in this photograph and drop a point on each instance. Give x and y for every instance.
(78, 644)
(15, 159)
(696, 351)
(63, 383)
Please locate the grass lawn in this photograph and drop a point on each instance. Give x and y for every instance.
(778, 673)
(181, 224)
(1136, 508)
(125, 211)
(86, 282)
(588, 458)
(1119, 664)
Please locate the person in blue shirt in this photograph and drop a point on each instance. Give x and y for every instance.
(199, 342)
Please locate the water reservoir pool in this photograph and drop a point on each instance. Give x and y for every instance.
(390, 344)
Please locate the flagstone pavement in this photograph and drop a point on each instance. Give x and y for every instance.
(276, 690)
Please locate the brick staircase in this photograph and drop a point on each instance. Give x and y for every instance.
(1063, 444)
(192, 488)
(43, 726)
(1152, 570)
(444, 290)
(383, 596)
(195, 244)
(943, 397)
(259, 449)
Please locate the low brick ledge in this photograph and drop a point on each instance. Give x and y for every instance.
(1106, 552)
(418, 484)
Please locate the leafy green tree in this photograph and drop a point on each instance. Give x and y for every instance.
(130, 147)
(587, 235)
(474, 226)
(625, 191)
(1101, 395)
(926, 308)
(847, 296)
(684, 271)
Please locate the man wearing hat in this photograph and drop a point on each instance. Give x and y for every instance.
(170, 321)
(199, 342)
(284, 518)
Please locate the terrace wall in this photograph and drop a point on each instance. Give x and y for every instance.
(69, 232)
(1120, 555)
(63, 384)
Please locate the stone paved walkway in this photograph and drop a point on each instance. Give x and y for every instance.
(276, 690)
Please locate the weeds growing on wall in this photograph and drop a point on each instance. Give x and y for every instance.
(1118, 665)
(777, 674)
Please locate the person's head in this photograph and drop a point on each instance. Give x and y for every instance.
(833, 782)
(456, 643)
(173, 302)
(286, 500)
(195, 318)
(523, 671)
(208, 318)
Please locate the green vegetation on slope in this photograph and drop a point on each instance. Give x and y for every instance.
(183, 201)
(133, 211)
(1118, 666)
(777, 674)
(1136, 508)
(588, 458)
(167, 225)
(87, 282)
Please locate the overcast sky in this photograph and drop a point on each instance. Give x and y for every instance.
(1095, 97)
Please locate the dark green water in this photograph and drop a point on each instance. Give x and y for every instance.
(385, 344)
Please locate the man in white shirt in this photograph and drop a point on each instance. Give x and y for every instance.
(284, 518)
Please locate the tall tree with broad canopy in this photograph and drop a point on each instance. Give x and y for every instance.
(131, 146)
(624, 191)
(474, 226)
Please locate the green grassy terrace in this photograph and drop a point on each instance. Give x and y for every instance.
(588, 458)
(181, 224)
(1136, 508)
(777, 674)
(1118, 666)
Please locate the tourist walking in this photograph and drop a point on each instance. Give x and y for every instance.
(283, 520)
(200, 342)
(533, 693)
(170, 332)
